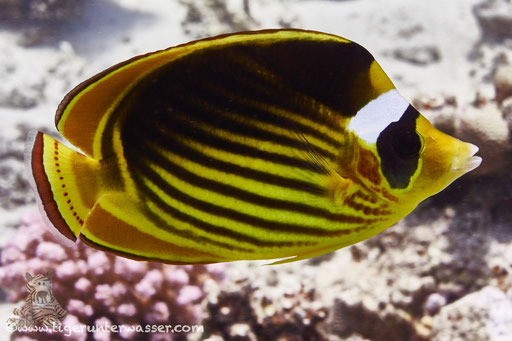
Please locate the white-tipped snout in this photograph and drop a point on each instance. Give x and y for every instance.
(466, 160)
(474, 161)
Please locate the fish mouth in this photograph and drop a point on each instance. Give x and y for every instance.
(466, 161)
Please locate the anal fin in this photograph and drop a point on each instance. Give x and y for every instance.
(117, 224)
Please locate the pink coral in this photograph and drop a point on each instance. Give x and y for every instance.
(127, 309)
(178, 276)
(50, 251)
(189, 294)
(159, 313)
(99, 263)
(97, 288)
(83, 285)
(78, 307)
(150, 284)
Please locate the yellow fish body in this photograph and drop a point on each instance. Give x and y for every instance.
(255, 145)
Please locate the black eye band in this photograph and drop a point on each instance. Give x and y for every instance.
(399, 149)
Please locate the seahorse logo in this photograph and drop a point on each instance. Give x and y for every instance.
(40, 308)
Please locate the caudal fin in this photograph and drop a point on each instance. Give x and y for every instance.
(66, 183)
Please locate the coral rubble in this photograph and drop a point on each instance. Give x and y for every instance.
(41, 9)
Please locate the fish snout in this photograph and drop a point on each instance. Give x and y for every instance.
(465, 159)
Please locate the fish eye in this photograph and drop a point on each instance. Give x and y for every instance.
(406, 143)
(399, 147)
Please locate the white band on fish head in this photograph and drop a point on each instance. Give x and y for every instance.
(377, 114)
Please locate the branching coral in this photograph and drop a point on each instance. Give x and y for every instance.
(97, 288)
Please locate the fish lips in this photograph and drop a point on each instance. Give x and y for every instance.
(466, 161)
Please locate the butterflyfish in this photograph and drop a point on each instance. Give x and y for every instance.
(275, 144)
